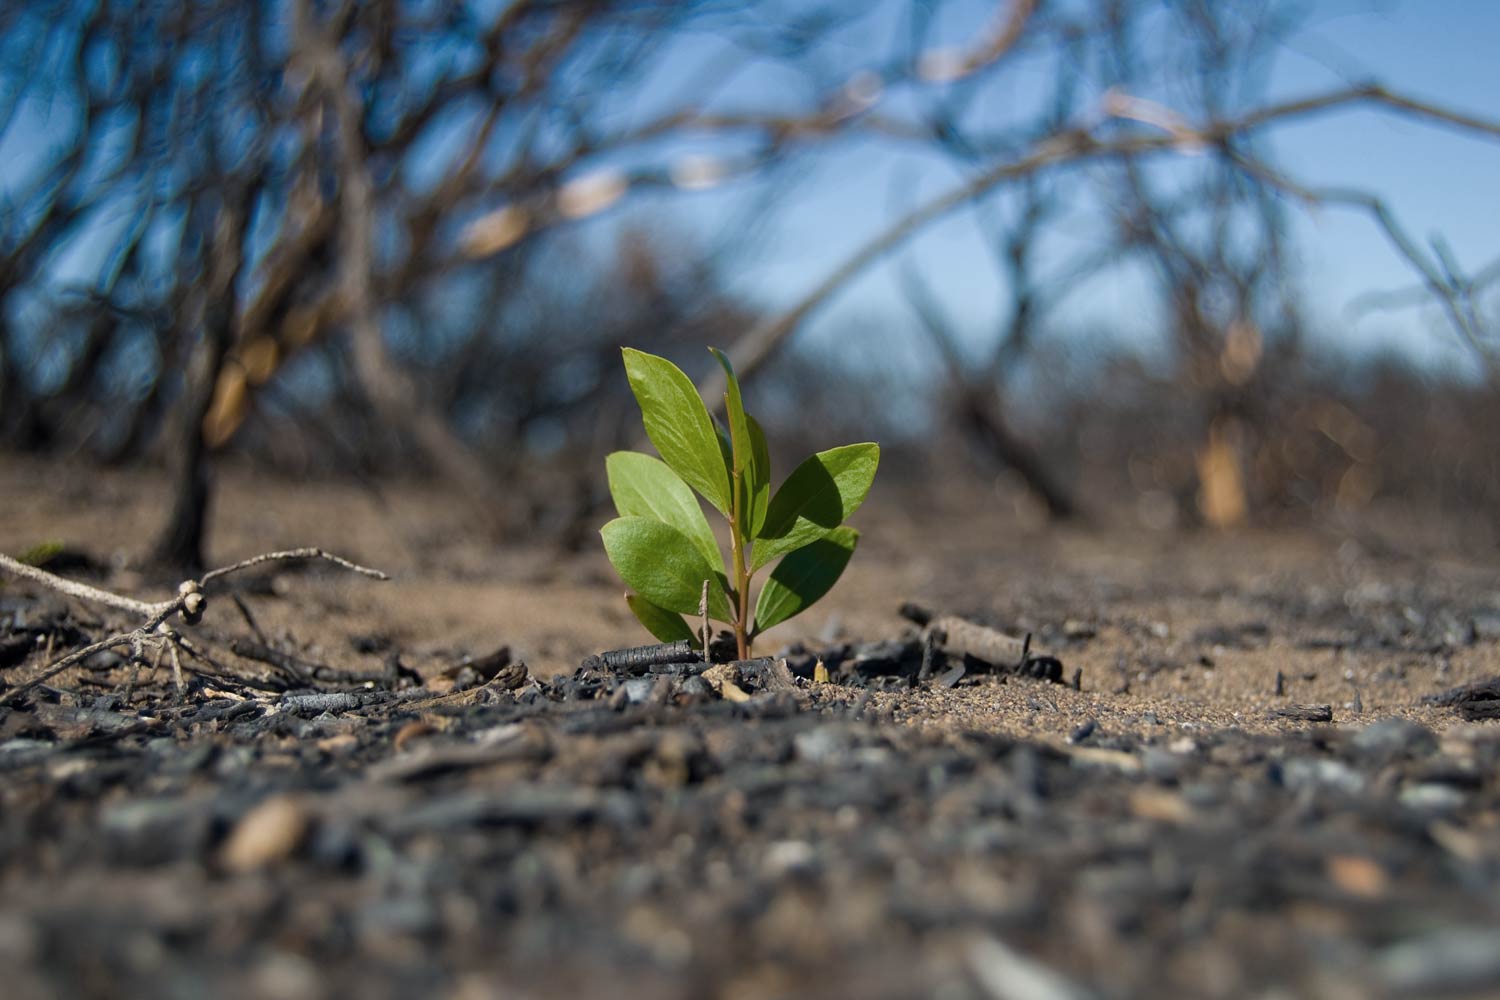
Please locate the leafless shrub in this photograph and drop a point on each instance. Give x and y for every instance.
(331, 231)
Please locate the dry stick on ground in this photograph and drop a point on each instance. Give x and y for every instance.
(189, 602)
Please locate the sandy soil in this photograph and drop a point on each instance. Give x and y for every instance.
(1190, 629)
(1171, 826)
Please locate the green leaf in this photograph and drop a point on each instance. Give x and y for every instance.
(760, 493)
(663, 565)
(734, 409)
(817, 497)
(643, 486)
(804, 576)
(667, 626)
(678, 424)
(748, 448)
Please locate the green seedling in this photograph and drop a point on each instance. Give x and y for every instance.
(662, 545)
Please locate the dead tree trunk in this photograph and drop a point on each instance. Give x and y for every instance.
(180, 544)
(981, 418)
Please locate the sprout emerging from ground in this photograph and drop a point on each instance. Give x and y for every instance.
(662, 545)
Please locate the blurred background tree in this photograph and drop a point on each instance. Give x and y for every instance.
(395, 238)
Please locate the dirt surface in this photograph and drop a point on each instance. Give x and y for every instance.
(1238, 784)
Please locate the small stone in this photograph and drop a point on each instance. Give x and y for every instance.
(695, 689)
(20, 941)
(1083, 732)
(151, 831)
(1007, 974)
(787, 857)
(498, 735)
(1079, 630)
(340, 742)
(720, 676)
(409, 733)
(1162, 765)
(638, 690)
(404, 916)
(1486, 624)
(822, 745)
(288, 976)
(1358, 875)
(1159, 805)
(1394, 736)
(1452, 960)
(1301, 772)
(335, 846)
(234, 761)
(1431, 797)
(21, 748)
(1203, 795)
(266, 834)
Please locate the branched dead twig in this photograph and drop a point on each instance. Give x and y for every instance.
(1439, 281)
(1084, 142)
(189, 602)
(293, 554)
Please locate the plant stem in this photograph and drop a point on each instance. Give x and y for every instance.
(739, 457)
(743, 634)
(741, 577)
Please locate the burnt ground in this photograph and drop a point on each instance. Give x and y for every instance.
(1249, 791)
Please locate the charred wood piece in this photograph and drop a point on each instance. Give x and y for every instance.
(1467, 693)
(1304, 713)
(980, 648)
(640, 659)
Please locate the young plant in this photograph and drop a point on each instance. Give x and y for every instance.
(662, 545)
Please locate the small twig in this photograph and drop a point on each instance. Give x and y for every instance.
(707, 629)
(155, 662)
(299, 670)
(135, 672)
(291, 554)
(249, 619)
(189, 601)
(67, 661)
(176, 666)
(1437, 278)
(73, 588)
(220, 674)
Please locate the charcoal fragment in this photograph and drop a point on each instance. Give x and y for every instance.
(1304, 713)
(950, 677)
(638, 659)
(1083, 732)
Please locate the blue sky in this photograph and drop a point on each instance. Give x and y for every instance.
(1437, 182)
